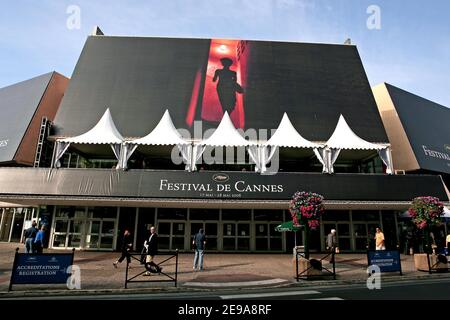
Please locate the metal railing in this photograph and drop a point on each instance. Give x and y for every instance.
(153, 269)
(439, 265)
(316, 265)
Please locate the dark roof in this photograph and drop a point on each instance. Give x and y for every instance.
(18, 103)
(138, 78)
(427, 125)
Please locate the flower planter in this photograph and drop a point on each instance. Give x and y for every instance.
(304, 264)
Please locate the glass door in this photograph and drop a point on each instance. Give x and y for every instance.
(343, 236)
(361, 236)
(93, 236)
(171, 235)
(267, 238)
(107, 233)
(7, 220)
(60, 233)
(17, 225)
(243, 236)
(229, 236)
(75, 234)
(364, 233)
(178, 235)
(261, 237)
(74, 228)
(236, 236)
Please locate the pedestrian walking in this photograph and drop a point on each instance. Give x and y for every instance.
(151, 246)
(332, 243)
(199, 243)
(379, 240)
(127, 245)
(29, 236)
(38, 244)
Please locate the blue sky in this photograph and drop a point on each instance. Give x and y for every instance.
(411, 50)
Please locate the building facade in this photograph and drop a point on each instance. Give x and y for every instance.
(88, 203)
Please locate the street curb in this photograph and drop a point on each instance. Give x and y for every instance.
(385, 279)
(48, 294)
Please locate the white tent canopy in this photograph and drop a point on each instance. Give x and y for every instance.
(285, 136)
(164, 133)
(343, 138)
(104, 132)
(226, 135)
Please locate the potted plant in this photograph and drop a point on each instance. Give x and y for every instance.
(425, 213)
(305, 209)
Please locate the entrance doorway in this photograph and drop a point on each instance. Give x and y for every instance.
(342, 234)
(171, 235)
(6, 222)
(100, 234)
(364, 233)
(236, 236)
(83, 227)
(13, 222)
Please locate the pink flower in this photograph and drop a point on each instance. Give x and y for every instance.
(422, 224)
(313, 224)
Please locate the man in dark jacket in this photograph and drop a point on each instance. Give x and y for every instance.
(199, 243)
(152, 250)
(29, 236)
(127, 244)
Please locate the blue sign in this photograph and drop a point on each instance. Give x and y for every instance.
(39, 269)
(386, 260)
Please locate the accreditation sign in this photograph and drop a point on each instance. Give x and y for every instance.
(47, 268)
(386, 260)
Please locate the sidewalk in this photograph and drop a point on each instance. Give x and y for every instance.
(220, 271)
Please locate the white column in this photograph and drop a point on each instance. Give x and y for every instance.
(135, 227)
(52, 228)
(352, 232)
(1, 220)
(116, 228)
(23, 223)
(12, 225)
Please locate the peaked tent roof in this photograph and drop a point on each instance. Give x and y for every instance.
(343, 137)
(226, 135)
(287, 136)
(164, 133)
(104, 132)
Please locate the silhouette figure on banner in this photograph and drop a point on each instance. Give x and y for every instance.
(227, 85)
